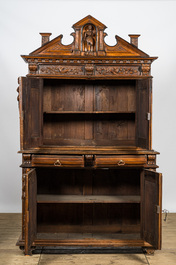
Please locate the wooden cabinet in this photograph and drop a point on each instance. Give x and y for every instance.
(89, 171)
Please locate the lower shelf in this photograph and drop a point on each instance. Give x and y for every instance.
(91, 229)
(86, 240)
(87, 236)
(47, 198)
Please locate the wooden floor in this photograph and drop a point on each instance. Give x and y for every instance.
(10, 228)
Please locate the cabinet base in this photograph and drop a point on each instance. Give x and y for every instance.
(87, 246)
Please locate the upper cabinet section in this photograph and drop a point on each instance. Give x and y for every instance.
(88, 56)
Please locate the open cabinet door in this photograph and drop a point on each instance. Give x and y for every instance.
(31, 93)
(143, 113)
(30, 210)
(152, 208)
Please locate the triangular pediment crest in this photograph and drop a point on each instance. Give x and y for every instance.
(88, 40)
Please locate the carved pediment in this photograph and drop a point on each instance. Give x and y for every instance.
(88, 41)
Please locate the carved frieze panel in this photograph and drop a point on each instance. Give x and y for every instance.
(89, 70)
(61, 70)
(117, 70)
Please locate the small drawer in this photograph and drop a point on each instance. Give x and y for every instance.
(120, 160)
(58, 161)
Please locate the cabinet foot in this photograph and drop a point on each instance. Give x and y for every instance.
(21, 247)
(149, 251)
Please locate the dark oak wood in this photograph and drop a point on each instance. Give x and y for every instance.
(45, 198)
(30, 210)
(86, 142)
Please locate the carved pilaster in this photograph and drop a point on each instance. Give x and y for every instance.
(33, 68)
(145, 69)
(23, 196)
(151, 160)
(26, 160)
(18, 89)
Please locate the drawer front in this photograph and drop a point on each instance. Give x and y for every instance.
(58, 161)
(120, 160)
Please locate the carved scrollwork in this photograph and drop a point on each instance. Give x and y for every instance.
(61, 70)
(117, 70)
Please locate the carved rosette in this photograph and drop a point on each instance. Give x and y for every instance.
(145, 69)
(61, 70)
(117, 70)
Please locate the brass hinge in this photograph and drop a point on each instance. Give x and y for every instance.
(148, 116)
(157, 209)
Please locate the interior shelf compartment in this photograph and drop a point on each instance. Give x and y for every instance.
(47, 198)
(88, 218)
(119, 184)
(89, 129)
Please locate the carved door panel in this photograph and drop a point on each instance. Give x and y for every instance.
(151, 208)
(30, 209)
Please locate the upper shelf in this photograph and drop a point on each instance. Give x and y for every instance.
(89, 112)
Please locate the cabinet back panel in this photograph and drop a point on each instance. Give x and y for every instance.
(89, 96)
(115, 95)
(88, 182)
(84, 95)
(63, 96)
(89, 129)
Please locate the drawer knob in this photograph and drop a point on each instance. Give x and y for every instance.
(57, 163)
(121, 163)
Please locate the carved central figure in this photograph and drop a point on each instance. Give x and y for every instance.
(89, 38)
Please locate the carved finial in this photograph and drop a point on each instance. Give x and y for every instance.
(134, 39)
(45, 37)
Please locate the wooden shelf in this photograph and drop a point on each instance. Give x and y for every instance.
(87, 236)
(89, 112)
(47, 198)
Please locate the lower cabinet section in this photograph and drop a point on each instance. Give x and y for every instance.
(91, 207)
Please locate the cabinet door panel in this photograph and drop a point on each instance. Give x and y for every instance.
(143, 103)
(151, 208)
(30, 209)
(32, 100)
